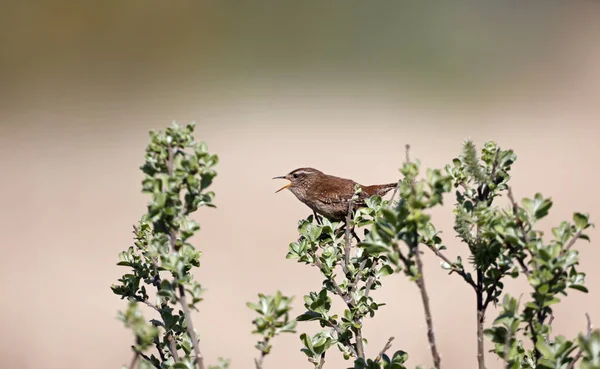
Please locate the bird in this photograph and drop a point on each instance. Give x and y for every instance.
(329, 195)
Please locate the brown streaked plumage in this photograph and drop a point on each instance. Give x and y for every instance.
(329, 195)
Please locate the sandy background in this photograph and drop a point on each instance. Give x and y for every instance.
(272, 88)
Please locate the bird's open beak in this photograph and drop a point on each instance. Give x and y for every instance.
(284, 187)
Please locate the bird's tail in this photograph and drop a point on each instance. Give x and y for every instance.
(380, 190)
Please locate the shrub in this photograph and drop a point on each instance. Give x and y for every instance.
(502, 242)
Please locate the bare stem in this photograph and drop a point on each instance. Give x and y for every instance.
(143, 356)
(136, 356)
(190, 327)
(335, 285)
(160, 350)
(347, 240)
(360, 348)
(340, 333)
(580, 351)
(428, 317)
(361, 267)
(393, 195)
(148, 303)
(259, 362)
(480, 319)
(573, 240)
(454, 269)
(321, 362)
(173, 235)
(172, 347)
(387, 346)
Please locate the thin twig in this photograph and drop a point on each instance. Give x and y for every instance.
(406, 150)
(428, 317)
(393, 194)
(422, 289)
(136, 356)
(259, 362)
(173, 235)
(190, 328)
(148, 303)
(145, 357)
(172, 347)
(347, 241)
(360, 350)
(589, 325)
(580, 351)
(335, 285)
(490, 296)
(550, 321)
(454, 269)
(573, 240)
(368, 285)
(387, 346)
(361, 267)
(160, 350)
(340, 333)
(322, 361)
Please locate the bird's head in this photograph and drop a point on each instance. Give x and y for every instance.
(300, 179)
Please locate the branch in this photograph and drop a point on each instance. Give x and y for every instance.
(361, 267)
(173, 235)
(136, 356)
(144, 356)
(340, 334)
(421, 285)
(368, 285)
(190, 328)
(428, 319)
(347, 241)
(387, 346)
(573, 240)
(480, 319)
(459, 271)
(336, 286)
(259, 362)
(160, 351)
(148, 303)
(393, 195)
(407, 149)
(322, 361)
(580, 352)
(360, 347)
(489, 298)
(172, 347)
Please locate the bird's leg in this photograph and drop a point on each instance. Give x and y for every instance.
(317, 218)
(351, 231)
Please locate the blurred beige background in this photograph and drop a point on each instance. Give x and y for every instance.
(272, 87)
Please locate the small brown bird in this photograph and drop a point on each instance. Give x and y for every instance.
(329, 195)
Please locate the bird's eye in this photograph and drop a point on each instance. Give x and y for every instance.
(295, 175)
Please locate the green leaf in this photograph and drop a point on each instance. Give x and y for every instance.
(543, 348)
(374, 249)
(386, 270)
(581, 221)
